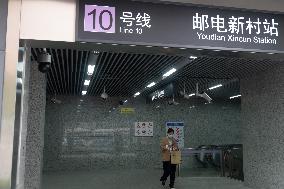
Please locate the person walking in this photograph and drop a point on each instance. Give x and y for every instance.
(168, 144)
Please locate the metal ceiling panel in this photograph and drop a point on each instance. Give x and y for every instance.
(123, 74)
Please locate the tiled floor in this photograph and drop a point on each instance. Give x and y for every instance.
(130, 179)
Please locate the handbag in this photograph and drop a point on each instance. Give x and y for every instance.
(176, 157)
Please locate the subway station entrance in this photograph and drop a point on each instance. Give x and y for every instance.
(99, 107)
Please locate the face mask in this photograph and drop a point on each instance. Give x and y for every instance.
(170, 136)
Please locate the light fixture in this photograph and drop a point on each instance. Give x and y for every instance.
(125, 101)
(214, 87)
(104, 95)
(91, 69)
(149, 46)
(235, 51)
(237, 96)
(252, 52)
(270, 53)
(203, 95)
(216, 50)
(132, 45)
(83, 42)
(98, 43)
(199, 49)
(84, 92)
(136, 94)
(87, 82)
(188, 96)
(114, 44)
(182, 48)
(166, 47)
(170, 72)
(96, 52)
(151, 84)
(193, 57)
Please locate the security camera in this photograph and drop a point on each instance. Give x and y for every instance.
(44, 61)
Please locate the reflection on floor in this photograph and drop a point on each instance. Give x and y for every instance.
(130, 179)
(200, 172)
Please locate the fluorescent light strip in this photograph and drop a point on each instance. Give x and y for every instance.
(170, 72)
(151, 85)
(237, 96)
(137, 94)
(214, 87)
(87, 82)
(193, 57)
(91, 69)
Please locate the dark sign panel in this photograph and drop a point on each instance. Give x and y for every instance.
(145, 23)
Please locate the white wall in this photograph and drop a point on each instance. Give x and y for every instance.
(54, 20)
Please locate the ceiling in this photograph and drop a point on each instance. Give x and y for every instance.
(124, 73)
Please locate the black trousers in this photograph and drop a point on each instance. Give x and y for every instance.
(169, 170)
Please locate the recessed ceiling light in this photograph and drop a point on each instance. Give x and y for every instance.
(83, 42)
(182, 48)
(216, 50)
(270, 53)
(149, 46)
(237, 96)
(132, 45)
(214, 87)
(235, 51)
(166, 47)
(136, 94)
(114, 44)
(252, 52)
(199, 49)
(98, 43)
(96, 52)
(170, 72)
(151, 84)
(84, 92)
(87, 82)
(193, 57)
(91, 69)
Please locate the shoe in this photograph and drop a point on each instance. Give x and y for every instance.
(172, 187)
(163, 182)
